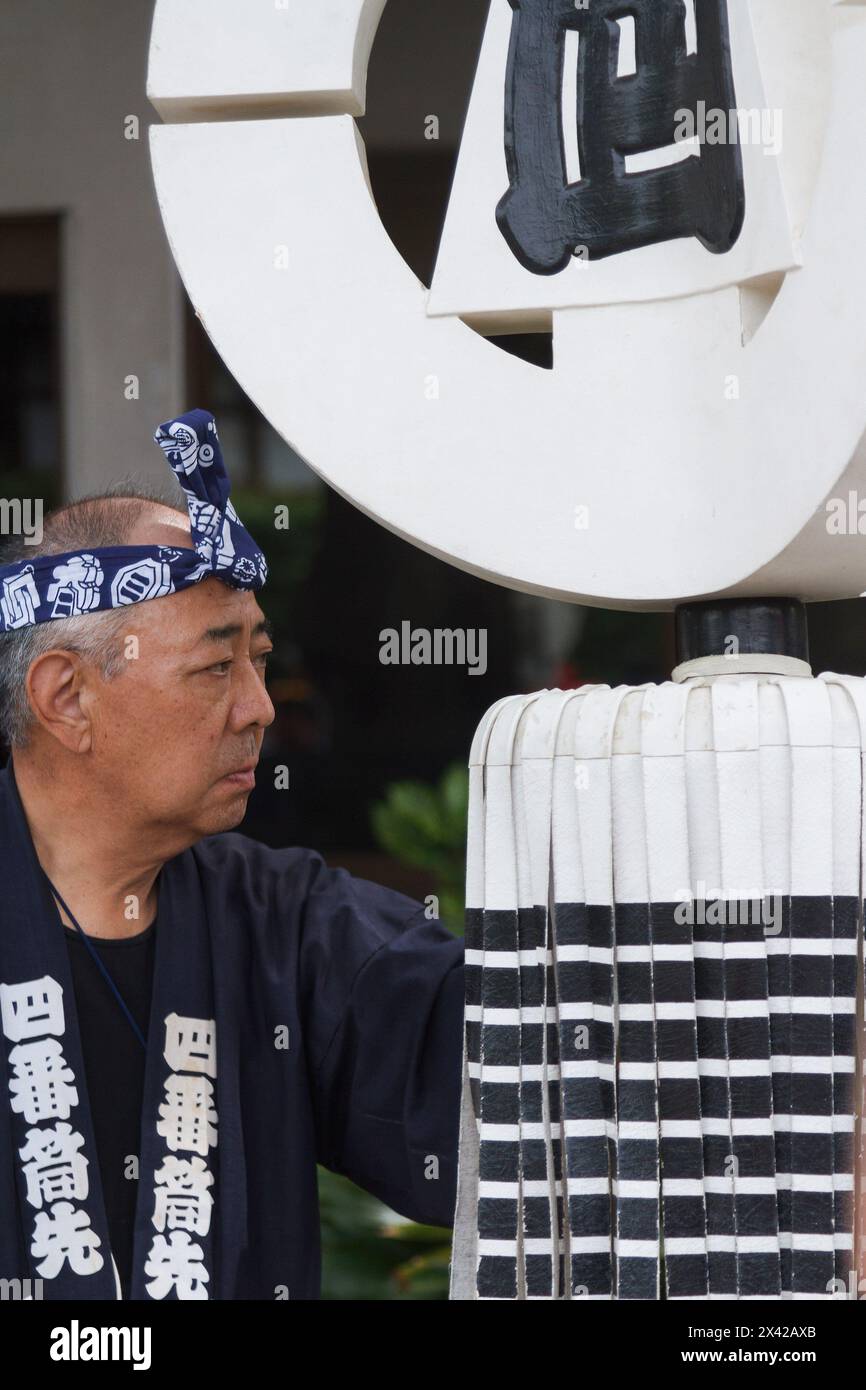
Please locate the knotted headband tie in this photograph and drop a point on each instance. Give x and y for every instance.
(49, 587)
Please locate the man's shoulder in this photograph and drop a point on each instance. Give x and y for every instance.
(232, 854)
(257, 884)
(297, 878)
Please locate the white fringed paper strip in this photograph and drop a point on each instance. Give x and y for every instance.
(664, 911)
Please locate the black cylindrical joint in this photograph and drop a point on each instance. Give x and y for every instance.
(743, 627)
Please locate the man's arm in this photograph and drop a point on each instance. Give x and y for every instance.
(384, 1005)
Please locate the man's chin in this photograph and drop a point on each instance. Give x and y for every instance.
(230, 813)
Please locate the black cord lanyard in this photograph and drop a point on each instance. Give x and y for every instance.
(95, 954)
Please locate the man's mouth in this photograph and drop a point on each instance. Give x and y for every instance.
(244, 776)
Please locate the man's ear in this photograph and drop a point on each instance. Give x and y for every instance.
(57, 692)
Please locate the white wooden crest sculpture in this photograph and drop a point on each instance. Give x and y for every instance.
(665, 885)
(681, 446)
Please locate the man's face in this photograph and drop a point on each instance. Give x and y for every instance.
(190, 708)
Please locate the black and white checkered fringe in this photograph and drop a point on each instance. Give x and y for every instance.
(663, 935)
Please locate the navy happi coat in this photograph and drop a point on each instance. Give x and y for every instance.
(298, 1015)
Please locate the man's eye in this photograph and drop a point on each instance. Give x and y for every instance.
(221, 668)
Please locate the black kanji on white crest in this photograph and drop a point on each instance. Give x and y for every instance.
(610, 208)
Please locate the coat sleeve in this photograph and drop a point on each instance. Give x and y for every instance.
(382, 999)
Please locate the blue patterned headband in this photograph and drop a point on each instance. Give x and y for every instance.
(64, 586)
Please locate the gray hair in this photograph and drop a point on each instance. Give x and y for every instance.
(100, 519)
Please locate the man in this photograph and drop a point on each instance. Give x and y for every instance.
(159, 1136)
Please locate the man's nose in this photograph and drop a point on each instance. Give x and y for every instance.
(252, 703)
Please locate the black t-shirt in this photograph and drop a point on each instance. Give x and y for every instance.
(114, 1065)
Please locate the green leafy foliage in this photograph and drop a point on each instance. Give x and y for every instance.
(371, 1253)
(425, 826)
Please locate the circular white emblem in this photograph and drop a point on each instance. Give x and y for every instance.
(707, 299)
